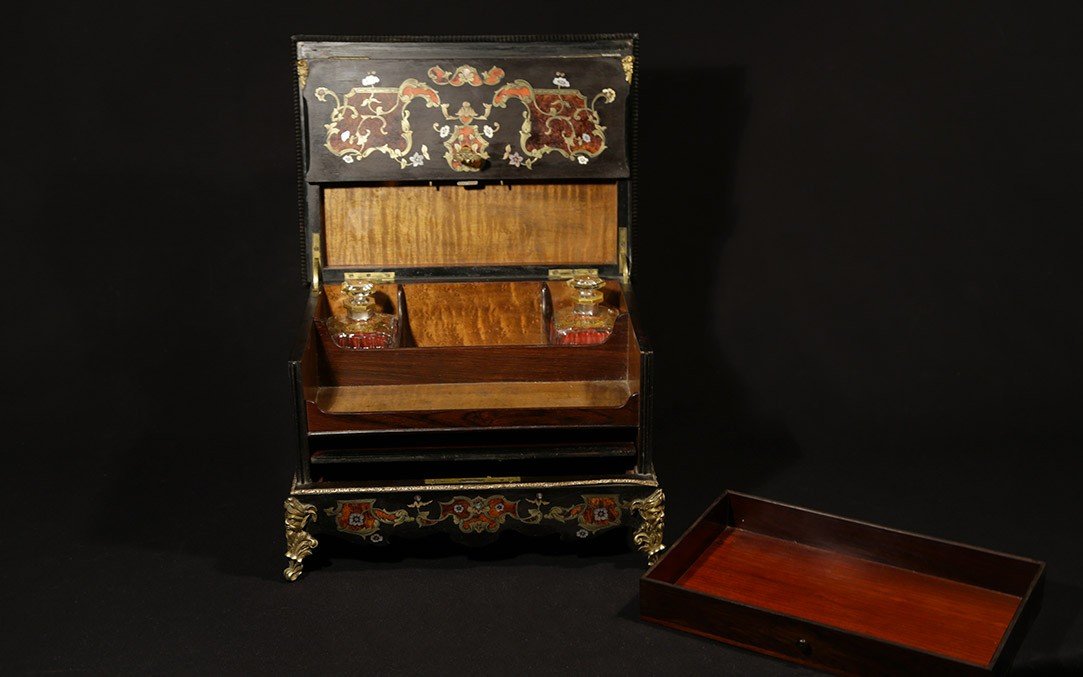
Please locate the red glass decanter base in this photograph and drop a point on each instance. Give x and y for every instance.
(583, 337)
(366, 341)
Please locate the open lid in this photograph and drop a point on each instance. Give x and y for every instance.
(392, 130)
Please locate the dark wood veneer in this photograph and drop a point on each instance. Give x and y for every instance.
(319, 422)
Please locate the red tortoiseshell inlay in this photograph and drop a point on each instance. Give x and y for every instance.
(597, 512)
(362, 518)
(562, 120)
(478, 514)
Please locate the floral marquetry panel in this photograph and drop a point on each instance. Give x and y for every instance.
(485, 115)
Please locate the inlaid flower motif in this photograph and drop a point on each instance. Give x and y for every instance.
(444, 131)
(356, 519)
(417, 160)
(598, 512)
(348, 159)
(561, 81)
(515, 160)
(458, 508)
(370, 80)
(345, 136)
(582, 533)
(609, 95)
(582, 159)
(585, 137)
(376, 538)
(487, 131)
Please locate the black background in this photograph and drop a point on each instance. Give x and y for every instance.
(858, 259)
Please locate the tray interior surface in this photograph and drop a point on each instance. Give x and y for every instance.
(926, 612)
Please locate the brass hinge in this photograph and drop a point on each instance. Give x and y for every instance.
(377, 277)
(316, 261)
(623, 261)
(565, 273)
(302, 73)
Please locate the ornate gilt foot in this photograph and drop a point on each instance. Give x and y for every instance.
(652, 513)
(299, 544)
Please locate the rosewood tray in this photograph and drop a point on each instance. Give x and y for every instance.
(840, 595)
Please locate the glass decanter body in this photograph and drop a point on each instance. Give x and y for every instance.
(587, 321)
(362, 326)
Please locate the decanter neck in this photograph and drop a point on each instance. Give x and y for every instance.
(359, 303)
(588, 294)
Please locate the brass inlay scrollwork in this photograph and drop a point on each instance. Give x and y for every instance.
(370, 119)
(652, 510)
(466, 75)
(299, 543)
(560, 120)
(477, 514)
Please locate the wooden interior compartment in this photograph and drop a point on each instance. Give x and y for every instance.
(489, 313)
(464, 348)
(399, 226)
(747, 560)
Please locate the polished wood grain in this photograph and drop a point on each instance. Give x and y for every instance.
(451, 396)
(976, 566)
(465, 419)
(554, 224)
(475, 313)
(926, 612)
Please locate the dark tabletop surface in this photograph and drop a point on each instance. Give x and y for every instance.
(874, 222)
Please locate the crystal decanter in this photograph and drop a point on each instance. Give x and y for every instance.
(587, 321)
(362, 326)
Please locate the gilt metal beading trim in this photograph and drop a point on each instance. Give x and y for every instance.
(318, 491)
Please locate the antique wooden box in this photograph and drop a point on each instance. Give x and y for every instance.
(841, 595)
(468, 178)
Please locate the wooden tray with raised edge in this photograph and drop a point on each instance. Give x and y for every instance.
(841, 595)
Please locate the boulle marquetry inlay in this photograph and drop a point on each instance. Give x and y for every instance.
(368, 119)
(478, 514)
(560, 119)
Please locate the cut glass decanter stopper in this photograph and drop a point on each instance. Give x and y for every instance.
(587, 321)
(362, 326)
